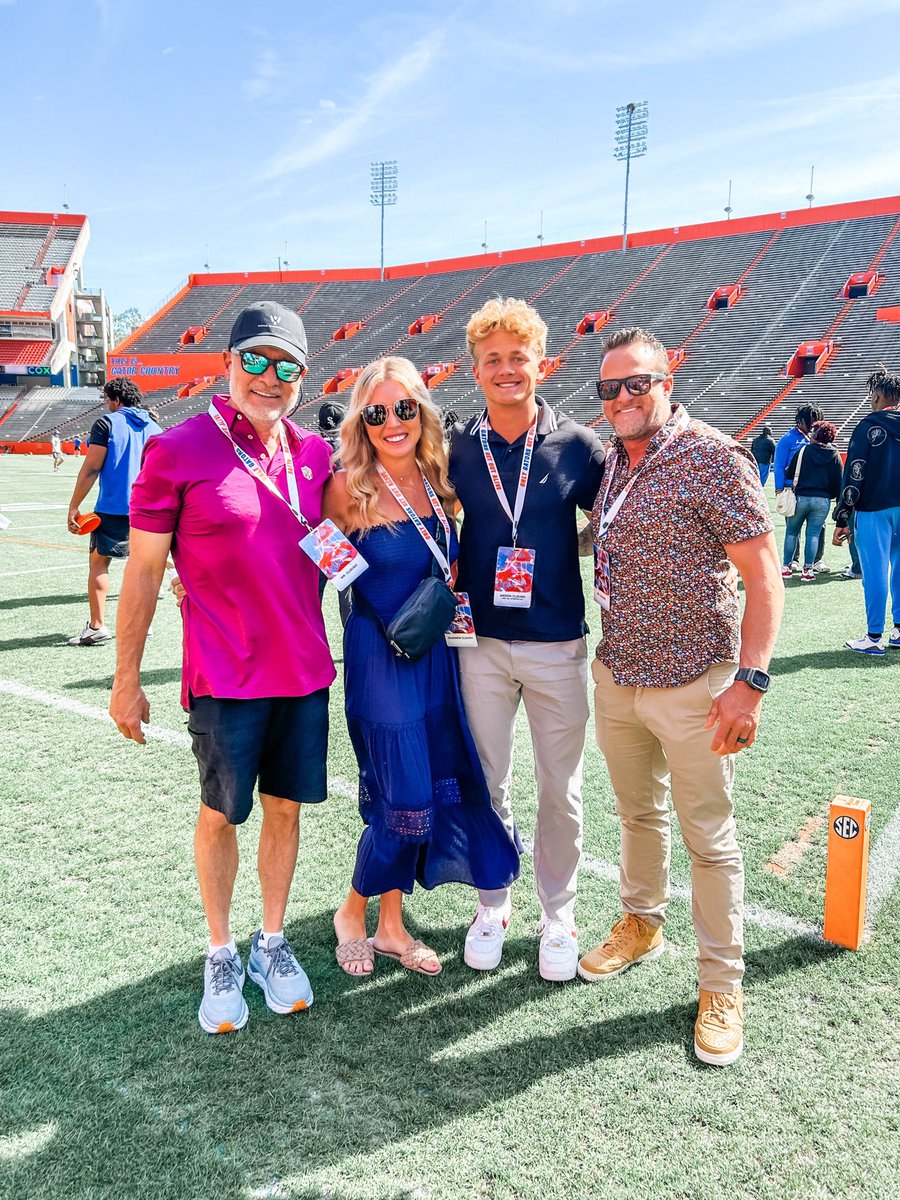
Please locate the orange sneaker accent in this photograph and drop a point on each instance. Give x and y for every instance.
(225, 1027)
(632, 940)
(719, 1028)
(299, 1005)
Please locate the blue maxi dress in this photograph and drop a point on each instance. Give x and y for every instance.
(422, 793)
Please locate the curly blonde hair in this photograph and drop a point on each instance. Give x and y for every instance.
(357, 455)
(513, 316)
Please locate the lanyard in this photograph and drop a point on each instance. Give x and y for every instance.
(259, 474)
(515, 515)
(607, 515)
(417, 520)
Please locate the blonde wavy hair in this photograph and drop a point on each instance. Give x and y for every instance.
(357, 455)
(512, 316)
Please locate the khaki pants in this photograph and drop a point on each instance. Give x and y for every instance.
(551, 679)
(651, 737)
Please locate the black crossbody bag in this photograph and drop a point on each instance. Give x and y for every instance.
(426, 616)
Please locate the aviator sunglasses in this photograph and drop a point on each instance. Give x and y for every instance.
(405, 409)
(635, 385)
(258, 364)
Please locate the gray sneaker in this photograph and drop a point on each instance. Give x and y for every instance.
(283, 981)
(90, 637)
(224, 1008)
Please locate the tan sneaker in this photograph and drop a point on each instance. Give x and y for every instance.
(719, 1028)
(632, 940)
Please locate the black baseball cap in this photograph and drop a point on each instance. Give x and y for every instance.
(269, 324)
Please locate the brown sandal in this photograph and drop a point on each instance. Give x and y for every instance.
(356, 950)
(412, 957)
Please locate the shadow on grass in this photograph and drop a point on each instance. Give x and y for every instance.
(124, 1095)
(44, 639)
(830, 660)
(40, 601)
(158, 675)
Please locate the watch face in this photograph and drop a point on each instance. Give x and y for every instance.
(755, 677)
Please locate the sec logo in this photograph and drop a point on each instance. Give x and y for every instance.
(846, 827)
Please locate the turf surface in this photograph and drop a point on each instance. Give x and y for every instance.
(494, 1086)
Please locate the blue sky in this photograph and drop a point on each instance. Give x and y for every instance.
(249, 129)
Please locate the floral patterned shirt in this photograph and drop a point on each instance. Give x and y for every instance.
(672, 610)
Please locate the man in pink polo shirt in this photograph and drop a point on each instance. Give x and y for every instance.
(230, 494)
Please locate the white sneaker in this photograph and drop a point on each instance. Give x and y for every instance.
(558, 956)
(821, 568)
(894, 639)
(866, 645)
(484, 941)
(90, 637)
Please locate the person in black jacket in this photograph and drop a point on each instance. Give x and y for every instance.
(763, 450)
(871, 489)
(817, 480)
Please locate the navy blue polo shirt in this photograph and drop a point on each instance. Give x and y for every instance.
(565, 476)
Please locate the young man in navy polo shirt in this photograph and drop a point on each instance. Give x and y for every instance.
(522, 472)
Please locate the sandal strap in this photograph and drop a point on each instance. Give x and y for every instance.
(413, 956)
(357, 950)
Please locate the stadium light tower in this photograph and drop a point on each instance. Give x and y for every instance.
(631, 142)
(384, 192)
(728, 209)
(484, 244)
(540, 236)
(809, 195)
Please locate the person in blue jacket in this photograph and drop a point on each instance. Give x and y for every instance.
(114, 458)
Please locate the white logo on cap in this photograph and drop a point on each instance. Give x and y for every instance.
(275, 318)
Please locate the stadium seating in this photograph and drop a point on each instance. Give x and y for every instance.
(734, 358)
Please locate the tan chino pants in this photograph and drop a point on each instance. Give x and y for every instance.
(653, 738)
(551, 679)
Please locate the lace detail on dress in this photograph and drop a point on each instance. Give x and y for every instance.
(446, 791)
(408, 823)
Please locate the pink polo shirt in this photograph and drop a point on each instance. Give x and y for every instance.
(253, 623)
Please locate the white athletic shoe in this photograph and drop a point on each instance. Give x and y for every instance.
(866, 645)
(558, 955)
(484, 941)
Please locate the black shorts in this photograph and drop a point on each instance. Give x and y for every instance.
(110, 538)
(281, 742)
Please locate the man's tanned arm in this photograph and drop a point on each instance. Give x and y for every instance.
(736, 711)
(128, 705)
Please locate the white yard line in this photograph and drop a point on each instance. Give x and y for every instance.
(74, 566)
(884, 864)
(25, 507)
(34, 528)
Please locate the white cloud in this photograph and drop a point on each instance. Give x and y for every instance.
(712, 31)
(382, 88)
(327, 104)
(168, 50)
(262, 82)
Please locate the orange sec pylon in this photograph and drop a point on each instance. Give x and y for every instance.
(846, 874)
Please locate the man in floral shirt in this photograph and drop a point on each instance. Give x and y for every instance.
(679, 674)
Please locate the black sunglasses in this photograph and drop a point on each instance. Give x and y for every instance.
(258, 364)
(635, 385)
(405, 409)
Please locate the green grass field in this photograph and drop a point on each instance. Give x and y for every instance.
(494, 1086)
